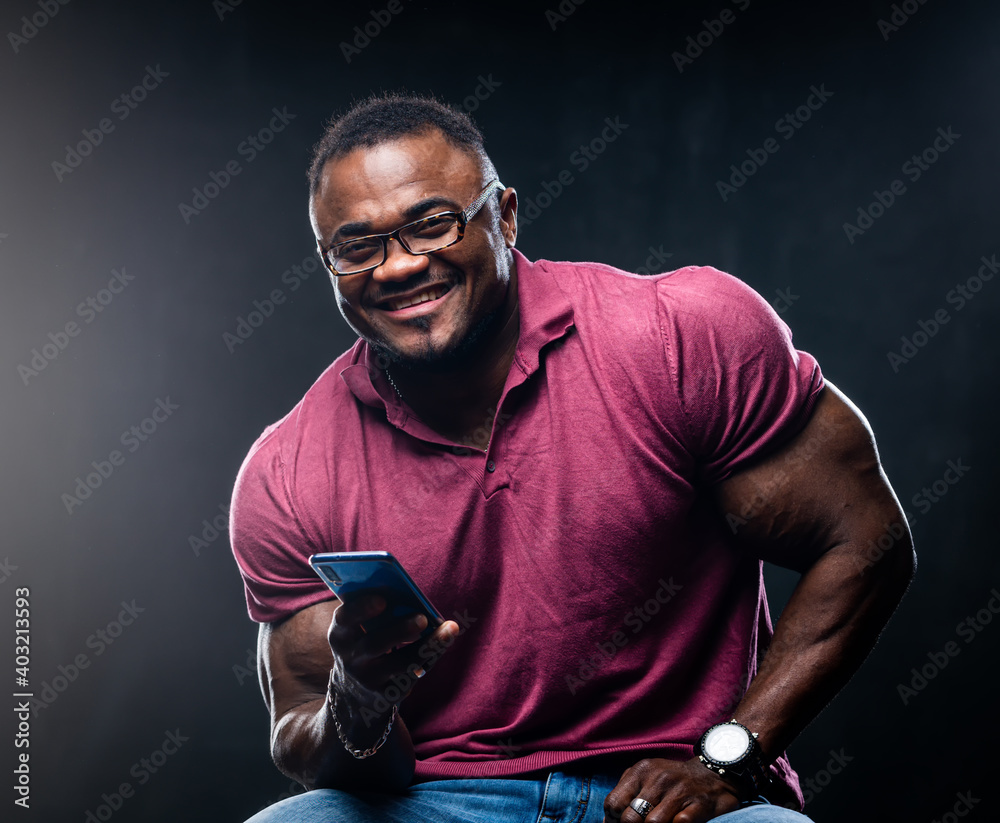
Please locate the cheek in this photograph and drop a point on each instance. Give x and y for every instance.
(346, 295)
(492, 285)
(347, 304)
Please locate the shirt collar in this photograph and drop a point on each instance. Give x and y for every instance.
(545, 313)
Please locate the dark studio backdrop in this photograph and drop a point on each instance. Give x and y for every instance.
(162, 304)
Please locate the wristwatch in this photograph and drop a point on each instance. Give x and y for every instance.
(731, 750)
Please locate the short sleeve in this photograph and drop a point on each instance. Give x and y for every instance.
(742, 386)
(269, 543)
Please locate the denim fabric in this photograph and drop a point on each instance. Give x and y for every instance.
(561, 798)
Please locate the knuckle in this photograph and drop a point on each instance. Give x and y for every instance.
(645, 765)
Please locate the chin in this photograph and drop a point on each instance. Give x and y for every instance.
(461, 350)
(425, 359)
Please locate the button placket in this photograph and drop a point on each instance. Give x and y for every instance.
(494, 475)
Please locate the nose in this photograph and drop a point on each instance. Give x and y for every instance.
(399, 264)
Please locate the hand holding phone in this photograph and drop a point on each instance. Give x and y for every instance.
(385, 634)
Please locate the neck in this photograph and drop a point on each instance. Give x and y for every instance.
(457, 402)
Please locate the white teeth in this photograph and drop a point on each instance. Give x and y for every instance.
(423, 297)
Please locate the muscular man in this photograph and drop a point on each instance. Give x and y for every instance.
(584, 469)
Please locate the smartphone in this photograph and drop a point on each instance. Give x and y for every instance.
(351, 573)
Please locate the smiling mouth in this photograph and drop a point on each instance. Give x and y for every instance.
(433, 293)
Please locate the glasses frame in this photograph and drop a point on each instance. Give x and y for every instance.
(463, 217)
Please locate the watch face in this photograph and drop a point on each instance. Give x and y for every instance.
(726, 743)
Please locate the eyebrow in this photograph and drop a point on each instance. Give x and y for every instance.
(410, 213)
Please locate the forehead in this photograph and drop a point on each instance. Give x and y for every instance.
(373, 185)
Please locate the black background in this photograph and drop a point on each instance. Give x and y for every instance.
(181, 666)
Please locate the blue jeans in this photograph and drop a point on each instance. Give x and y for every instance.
(561, 798)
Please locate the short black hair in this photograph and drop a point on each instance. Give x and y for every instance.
(380, 119)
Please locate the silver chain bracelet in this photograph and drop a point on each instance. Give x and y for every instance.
(359, 754)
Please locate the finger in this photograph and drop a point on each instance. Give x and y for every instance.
(446, 632)
(642, 782)
(415, 656)
(630, 815)
(396, 668)
(345, 625)
(690, 807)
(436, 644)
(348, 617)
(705, 809)
(389, 636)
(693, 813)
(363, 626)
(665, 810)
(620, 796)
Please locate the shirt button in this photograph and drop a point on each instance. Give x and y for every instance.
(491, 466)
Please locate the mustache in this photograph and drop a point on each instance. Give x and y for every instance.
(388, 291)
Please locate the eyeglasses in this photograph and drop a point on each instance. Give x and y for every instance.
(429, 234)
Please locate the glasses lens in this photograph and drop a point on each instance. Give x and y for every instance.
(435, 232)
(356, 255)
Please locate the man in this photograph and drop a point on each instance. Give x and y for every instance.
(583, 468)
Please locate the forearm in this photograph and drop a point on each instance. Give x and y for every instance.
(321, 648)
(306, 747)
(828, 627)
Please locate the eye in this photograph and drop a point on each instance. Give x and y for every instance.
(434, 226)
(356, 251)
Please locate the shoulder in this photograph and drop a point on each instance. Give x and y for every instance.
(600, 295)
(707, 291)
(586, 277)
(327, 400)
(693, 288)
(280, 509)
(702, 302)
(692, 299)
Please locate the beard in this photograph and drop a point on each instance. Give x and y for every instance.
(456, 357)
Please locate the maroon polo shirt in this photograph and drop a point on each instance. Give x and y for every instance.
(604, 607)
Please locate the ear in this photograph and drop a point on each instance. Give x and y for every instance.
(508, 217)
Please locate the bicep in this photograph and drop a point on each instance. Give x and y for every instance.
(295, 659)
(823, 489)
